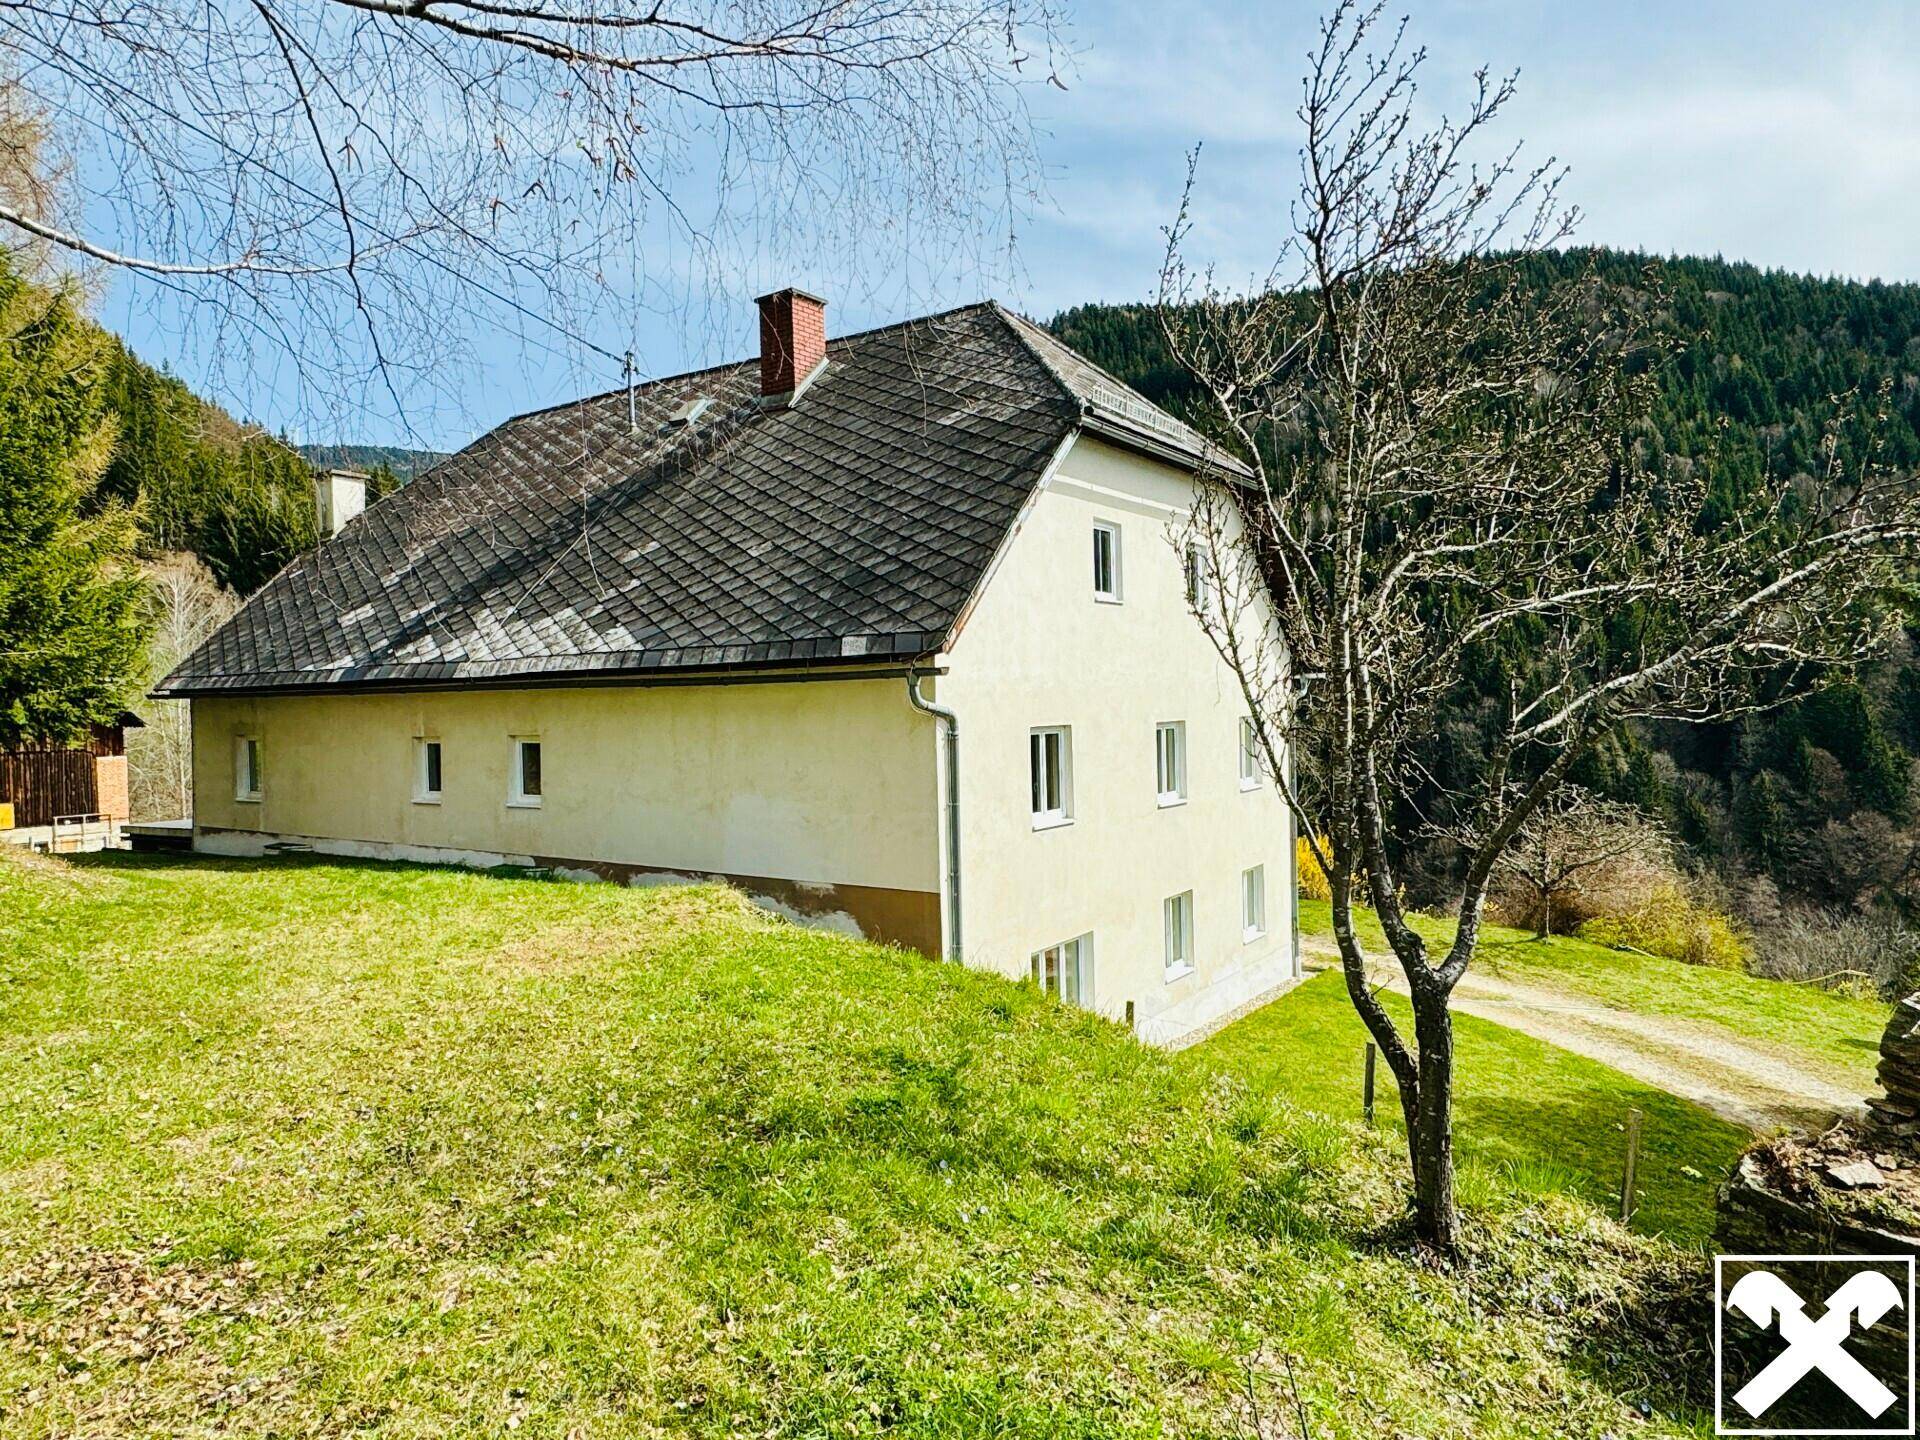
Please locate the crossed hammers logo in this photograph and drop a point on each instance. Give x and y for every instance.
(1766, 1299)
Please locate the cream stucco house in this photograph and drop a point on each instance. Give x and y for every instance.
(891, 630)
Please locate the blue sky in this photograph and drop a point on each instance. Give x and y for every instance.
(1787, 134)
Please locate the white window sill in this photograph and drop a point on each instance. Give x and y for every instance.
(1100, 599)
(1248, 936)
(246, 799)
(1168, 802)
(1247, 787)
(1179, 972)
(531, 803)
(1051, 822)
(426, 799)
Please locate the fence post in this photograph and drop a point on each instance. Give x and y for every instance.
(1367, 1094)
(1633, 1164)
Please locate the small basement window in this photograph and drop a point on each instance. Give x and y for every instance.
(1106, 562)
(1065, 971)
(426, 772)
(1170, 761)
(1253, 903)
(1178, 912)
(525, 783)
(1249, 754)
(1050, 767)
(246, 768)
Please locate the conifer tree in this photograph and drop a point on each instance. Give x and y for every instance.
(72, 624)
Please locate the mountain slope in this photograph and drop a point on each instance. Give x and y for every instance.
(1813, 807)
(402, 462)
(232, 494)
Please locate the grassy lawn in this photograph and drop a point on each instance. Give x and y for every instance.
(296, 1148)
(1527, 1113)
(1830, 1033)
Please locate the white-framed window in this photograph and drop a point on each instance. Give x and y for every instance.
(1179, 926)
(426, 770)
(247, 777)
(1065, 971)
(1050, 768)
(1170, 761)
(524, 784)
(1194, 561)
(1249, 754)
(1106, 561)
(1253, 903)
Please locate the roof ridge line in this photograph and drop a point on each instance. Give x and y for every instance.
(715, 369)
(1014, 323)
(1094, 413)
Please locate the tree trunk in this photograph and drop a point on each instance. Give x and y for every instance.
(1430, 1135)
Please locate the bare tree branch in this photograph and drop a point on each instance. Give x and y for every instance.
(360, 190)
(1445, 494)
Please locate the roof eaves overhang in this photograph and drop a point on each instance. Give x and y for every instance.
(1216, 461)
(433, 678)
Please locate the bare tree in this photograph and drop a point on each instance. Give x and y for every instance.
(188, 606)
(355, 189)
(1576, 853)
(33, 181)
(1446, 493)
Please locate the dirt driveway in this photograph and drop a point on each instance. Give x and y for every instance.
(1759, 1088)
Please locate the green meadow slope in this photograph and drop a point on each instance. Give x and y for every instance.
(1526, 1114)
(295, 1148)
(1833, 1035)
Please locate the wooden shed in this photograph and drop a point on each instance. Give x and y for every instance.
(43, 783)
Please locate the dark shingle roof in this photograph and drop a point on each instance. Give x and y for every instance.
(853, 526)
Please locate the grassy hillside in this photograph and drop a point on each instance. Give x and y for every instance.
(298, 1147)
(1527, 1112)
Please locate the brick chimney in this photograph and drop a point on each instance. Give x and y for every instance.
(793, 343)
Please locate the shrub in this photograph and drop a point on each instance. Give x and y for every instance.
(1672, 923)
(1864, 955)
(1312, 879)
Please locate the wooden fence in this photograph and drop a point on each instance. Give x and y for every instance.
(45, 783)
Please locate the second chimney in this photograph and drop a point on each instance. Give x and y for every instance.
(338, 496)
(793, 343)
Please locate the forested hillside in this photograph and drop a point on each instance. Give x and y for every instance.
(397, 460)
(1811, 808)
(239, 498)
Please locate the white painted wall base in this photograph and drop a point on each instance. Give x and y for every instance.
(1198, 1016)
(251, 844)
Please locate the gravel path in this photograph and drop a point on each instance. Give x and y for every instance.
(1761, 1089)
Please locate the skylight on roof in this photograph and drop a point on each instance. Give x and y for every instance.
(690, 410)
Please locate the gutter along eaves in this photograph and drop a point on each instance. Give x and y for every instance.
(869, 667)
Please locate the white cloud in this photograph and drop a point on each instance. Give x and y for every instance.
(1774, 132)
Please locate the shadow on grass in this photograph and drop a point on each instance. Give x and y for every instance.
(1655, 1348)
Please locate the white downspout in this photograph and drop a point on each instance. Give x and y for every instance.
(1293, 869)
(950, 840)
